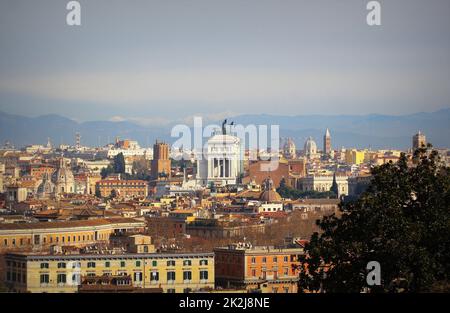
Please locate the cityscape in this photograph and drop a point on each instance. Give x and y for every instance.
(124, 218)
(219, 151)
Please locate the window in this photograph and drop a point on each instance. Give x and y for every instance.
(45, 278)
(285, 259)
(203, 262)
(76, 265)
(5, 242)
(138, 263)
(91, 264)
(187, 275)
(253, 272)
(61, 265)
(138, 277)
(154, 276)
(170, 290)
(122, 263)
(44, 265)
(154, 263)
(107, 264)
(187, 263)
(253, 260)
(171, 263)
(61, 278)
(187, 290)
(170, 276)
(204, 275)
(264, 259)
(76, 279)
(274, 259)
(286, 272)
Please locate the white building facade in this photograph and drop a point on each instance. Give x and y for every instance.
(324, 183)
(221, 161)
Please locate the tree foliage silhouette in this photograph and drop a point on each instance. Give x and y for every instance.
(119, 164)
(402, 221)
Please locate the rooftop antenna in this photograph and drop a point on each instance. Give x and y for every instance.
(77, 140)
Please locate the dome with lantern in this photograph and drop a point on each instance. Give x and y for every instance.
(269, 195)
(310, 148)
(64, 179)
(46, 188)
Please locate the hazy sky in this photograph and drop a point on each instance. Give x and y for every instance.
(152, 61)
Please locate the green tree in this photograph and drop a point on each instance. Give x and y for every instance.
(401, 221)
(113, 194)
(334, 186)
(283, 184)
(106, 171)
(119, 164)
(292, 193)
(98, 193)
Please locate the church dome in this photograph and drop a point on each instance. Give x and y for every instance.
(64, 176)
(310, 147)
(46, 188)
(269, 194)
(289, 149)
(64, 179)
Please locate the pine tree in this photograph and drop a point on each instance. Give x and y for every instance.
(334, 186)
(119, 164)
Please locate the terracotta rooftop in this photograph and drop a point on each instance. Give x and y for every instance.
(316, 201)
(68, 224)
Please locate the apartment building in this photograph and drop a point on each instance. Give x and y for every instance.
(268, 269)
(174, 273)
(25, 236)
(123, 188)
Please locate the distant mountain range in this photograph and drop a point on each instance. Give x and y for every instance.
(360, 131)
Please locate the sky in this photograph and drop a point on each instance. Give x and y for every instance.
(157, 61)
